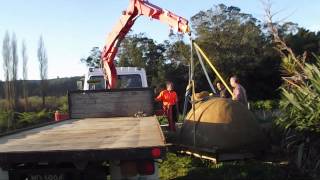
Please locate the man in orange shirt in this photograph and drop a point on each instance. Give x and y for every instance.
(170, 108)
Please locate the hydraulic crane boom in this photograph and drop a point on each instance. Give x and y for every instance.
(128, 18)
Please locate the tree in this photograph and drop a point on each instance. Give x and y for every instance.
(93, 60)
(6, 53)
(131, 53)
(14, 69)
(236, 43)
(140, 51)
(25, 74)
(304, 41)
(43, 68)
(178, 52)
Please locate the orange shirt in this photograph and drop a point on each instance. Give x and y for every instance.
(168, 97)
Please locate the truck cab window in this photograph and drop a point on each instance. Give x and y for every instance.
(97, 83)
(129, 81)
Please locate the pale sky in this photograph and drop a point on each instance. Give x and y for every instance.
(70, 28)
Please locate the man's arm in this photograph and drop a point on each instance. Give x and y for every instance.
(159, 97)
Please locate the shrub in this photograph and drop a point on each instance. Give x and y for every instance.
(30, 118)
(52, 103)
(6, 120)
(162, 120)
(266, 105)
(265, 111)
(2, 103)
(185, 168)
(64, 108)
(300, 116)
(26, 118)
(3, 121)
(175, 166)
(301, 102)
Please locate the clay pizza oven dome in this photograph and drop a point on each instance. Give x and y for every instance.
(221, 123)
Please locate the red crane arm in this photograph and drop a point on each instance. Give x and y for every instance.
(128, 18)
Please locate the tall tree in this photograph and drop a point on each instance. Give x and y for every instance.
(304, 41)
(25, 74)
(236, 43)
(140, 51)
(94, 58)
(178, 52)
(131, 52)
(14, 69)
(43, 68)
(6, 53)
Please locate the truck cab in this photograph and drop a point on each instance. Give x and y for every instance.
(128, 77)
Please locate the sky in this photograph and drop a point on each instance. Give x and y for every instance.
(70, 28)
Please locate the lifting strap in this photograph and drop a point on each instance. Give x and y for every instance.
(212, 67)
(187, 95)
(190, 90)
(193, 95)
(205, 72)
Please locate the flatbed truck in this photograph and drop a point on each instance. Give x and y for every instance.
(111, 133)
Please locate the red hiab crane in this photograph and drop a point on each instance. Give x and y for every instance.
(136, 9)
(229, 126)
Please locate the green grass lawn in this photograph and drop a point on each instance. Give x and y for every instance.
(188, 168)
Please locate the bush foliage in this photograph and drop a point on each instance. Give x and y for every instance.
(301, 101)
(266, 105)
(35, 115)
(187, 168)
(30, 118)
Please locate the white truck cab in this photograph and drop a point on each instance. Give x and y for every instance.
(128, 77)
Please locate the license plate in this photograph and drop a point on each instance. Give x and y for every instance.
(47, 177)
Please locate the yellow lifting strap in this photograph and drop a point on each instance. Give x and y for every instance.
(212, 67)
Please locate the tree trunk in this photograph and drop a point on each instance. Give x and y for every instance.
(43, 89)
(25, 96)
(7, 96)
(43, 101)
(15, 96)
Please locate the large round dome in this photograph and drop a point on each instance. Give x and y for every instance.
(221, 124)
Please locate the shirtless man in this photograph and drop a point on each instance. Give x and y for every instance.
(239, 93)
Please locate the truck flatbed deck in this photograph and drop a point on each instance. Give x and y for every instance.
(84, 139)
